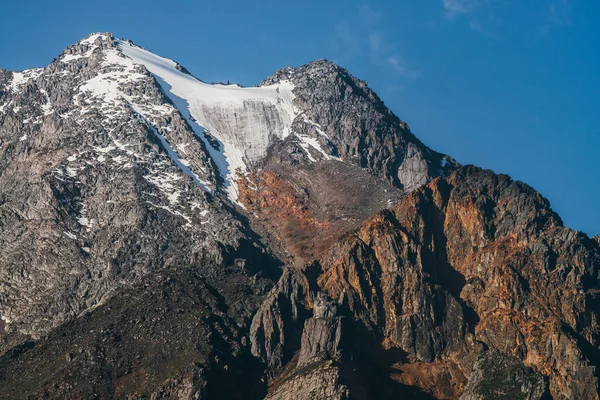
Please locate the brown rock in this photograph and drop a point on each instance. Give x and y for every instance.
(471, 262)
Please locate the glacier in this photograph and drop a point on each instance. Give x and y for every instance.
(245, 121)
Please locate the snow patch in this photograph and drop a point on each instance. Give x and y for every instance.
(19, 79)
(70, 235)
(46, 107)
(70, 57)
(174, 212)
(244, 121)
(83, 221)
(92, 38)
(165, 182)
(106, 88)
(317, 127)
(306, 142)
(183, 166)
(106, 149)
(72, 172)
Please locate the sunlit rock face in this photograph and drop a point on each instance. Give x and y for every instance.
(459, 289)
(161, 237)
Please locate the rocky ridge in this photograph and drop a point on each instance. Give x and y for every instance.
(473, 265)
(341, 258)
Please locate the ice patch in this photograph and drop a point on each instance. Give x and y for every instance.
(244, 121)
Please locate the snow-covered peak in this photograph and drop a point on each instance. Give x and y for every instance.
(91, 39)
(236, 124)
(85, 47)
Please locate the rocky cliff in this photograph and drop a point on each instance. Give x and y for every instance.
(468, 268)
(162, 238)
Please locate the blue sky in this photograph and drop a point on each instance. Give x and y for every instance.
(509, 85)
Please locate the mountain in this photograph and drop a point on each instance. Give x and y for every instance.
(163, 237)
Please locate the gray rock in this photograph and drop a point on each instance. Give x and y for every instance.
(277, 325)
(357, 127)
(322, 334)
(498, 376)
(127, 272)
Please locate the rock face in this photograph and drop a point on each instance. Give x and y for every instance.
(92, 197)
(162, 241)
(277, 325)
(462, 267)
(344, 115)
(500, 376)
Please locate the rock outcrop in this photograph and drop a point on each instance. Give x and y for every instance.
(344, 115)
(465, 266)
(497, 376)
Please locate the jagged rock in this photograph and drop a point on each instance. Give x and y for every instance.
(319, 380)
(130, 269)
(106, 175)
(91, 198)
(348, 117)
(277, 325)
(306, 208)
(173, 336)
(470, 262)
(322, 334)
(497, 376)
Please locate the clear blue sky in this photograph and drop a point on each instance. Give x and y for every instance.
(513, 86)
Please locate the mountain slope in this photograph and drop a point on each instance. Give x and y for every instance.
(471, 267)
(97, 148)
(162, 237)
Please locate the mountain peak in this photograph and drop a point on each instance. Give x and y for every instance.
(87, 46)
(96, 36)
(321, 66)
(118, 172)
